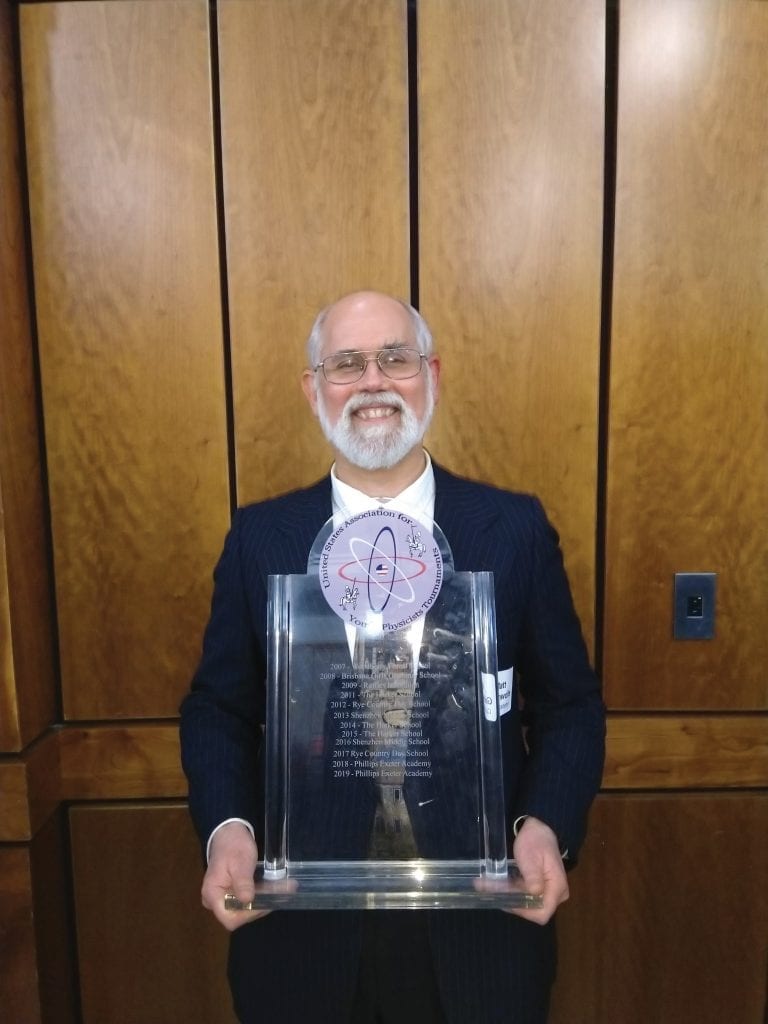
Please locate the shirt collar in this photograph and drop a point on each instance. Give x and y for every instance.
(418, 498)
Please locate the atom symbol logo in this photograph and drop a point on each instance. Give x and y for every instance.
(382, 569)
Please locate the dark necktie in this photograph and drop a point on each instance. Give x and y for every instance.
(387, 682)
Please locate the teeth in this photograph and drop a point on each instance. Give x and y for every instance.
(375, 412)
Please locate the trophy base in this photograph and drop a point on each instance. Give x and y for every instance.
(388, 885)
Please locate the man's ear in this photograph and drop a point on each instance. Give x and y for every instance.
(309, 387)
(433, 367)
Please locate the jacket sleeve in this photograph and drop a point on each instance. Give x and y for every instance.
(222, 716)
(563, 712)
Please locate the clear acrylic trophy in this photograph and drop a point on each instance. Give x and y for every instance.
(383, 747)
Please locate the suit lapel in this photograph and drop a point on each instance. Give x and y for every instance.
(298, 522)
(463, 515)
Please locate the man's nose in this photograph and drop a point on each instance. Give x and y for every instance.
(373, 377)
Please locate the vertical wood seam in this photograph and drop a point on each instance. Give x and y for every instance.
(221, 229)
(413, 145)
(26, 220)
(606, 314)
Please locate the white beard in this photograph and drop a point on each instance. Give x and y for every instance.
(377, 444)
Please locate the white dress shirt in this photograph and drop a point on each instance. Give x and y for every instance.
(418, 501)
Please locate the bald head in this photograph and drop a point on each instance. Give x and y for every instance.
(362, 309)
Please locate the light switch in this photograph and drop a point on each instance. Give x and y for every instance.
(694, 617)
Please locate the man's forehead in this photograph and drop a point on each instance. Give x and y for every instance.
(367, 322)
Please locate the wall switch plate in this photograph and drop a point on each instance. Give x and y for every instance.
(694, 617)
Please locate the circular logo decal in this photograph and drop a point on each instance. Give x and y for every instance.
(381, 570)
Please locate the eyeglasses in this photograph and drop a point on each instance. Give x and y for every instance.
(349, 367)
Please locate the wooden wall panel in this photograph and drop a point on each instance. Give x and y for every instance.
(315, 149)
(140, 760)
(54, 928)
(27, 685)
(668, 911)
(510, 214)
(121, 762)
(30, 789)
(119, 135)
(688, 450)
(147, 949)
(648, 751)
(36, 965)
(18, 977)
(129, 761)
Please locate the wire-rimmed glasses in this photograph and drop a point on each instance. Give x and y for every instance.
(349, 367)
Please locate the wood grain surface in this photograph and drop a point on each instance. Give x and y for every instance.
(137, 874)
(18, 978)
(30, 789)
(686, 751)
(668, 910)
(315, 150)
(688, 447)
(121, 762)
(129, 316)
(27, 683)
(511, 100)
(36, 962)
(14, 802)
(54, 927)
(129, 761)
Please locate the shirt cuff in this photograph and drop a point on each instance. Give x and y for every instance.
(517, 824)
(229, 821)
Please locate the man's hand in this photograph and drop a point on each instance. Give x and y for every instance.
(537, 856)
(232, 865)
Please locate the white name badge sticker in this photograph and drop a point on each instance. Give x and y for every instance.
(506, 689)
(489, 696)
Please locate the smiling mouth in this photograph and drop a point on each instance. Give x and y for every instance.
(375, 412)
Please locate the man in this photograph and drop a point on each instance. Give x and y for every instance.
(373, 382)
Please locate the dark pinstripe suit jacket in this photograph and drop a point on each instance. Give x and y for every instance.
(483, 959)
